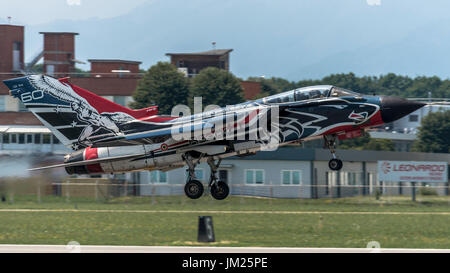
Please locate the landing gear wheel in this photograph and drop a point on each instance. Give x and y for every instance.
(335, 164)
(220, 190)
(193, 189)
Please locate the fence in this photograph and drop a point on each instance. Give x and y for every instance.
(100, 190)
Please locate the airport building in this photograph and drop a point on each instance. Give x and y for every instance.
(293, 172)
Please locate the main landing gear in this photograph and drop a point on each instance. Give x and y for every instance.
(219, 189)
(194, 188)
(330, 142)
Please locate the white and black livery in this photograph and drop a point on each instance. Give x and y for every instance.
(110, 138)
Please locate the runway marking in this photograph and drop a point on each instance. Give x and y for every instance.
(232, 212)
(186, 249)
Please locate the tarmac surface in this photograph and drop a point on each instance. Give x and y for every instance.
(73, 247)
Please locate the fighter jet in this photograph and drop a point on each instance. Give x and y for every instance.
(109, 138)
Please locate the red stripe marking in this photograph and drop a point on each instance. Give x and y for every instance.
(92, 153)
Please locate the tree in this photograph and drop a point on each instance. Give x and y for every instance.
(389, 84)
(274, 85)
(163, 85)
(365, 142)
(216, 86)
(434, 132)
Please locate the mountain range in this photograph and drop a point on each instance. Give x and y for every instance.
(286, 38)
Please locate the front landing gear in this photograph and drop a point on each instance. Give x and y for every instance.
(193, 188)
(335, 164)
(219, 189)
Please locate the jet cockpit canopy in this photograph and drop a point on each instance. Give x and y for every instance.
(308, 93)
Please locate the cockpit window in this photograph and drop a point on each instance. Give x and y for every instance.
(299, 94)
(280, 98)
(341, 92)
(311, 93)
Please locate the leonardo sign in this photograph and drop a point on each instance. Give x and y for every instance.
(412, 171)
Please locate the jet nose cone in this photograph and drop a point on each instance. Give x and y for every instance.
(393, 108)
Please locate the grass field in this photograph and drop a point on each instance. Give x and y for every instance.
(394, 222)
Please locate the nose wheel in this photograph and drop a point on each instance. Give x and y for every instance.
(334, 164)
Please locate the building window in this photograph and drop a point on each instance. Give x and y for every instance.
(253, 176)
(37, 138)
(223, 176)
(30, 139)
(50, 70)
(22, 107)
(17, 47)
(413, 118)
(13, 138)
(55, 140)
(46, 138)
(348, 178)
(2, 104)
(180, 63)
(291, 177)
(158, 177)
(6, 138)
(21, 138)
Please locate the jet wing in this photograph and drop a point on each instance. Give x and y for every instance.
(180, 131)
(152, 136)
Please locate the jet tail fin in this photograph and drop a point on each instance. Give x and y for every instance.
(75, 116)
(104, 105)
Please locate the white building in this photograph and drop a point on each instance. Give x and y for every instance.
(292, 172)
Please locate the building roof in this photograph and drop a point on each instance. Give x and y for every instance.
(310, 154)
(112, 61)
(214, 52)
(24, 129)
(18, 118)
(50, 32)
(9, 25)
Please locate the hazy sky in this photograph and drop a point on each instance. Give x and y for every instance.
(32, 12)
(295, 39)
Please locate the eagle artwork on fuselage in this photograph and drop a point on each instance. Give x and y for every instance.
(87, 117)
(110, 138)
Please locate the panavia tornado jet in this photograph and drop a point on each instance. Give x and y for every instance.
(109, 138)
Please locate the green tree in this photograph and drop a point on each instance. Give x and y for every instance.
(434, 132)
(161, 85)
(216, 86)
(365, 142)
(378, 144)
(389, 84)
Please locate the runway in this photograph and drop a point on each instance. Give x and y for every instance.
(75, 248)
(232, 212)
